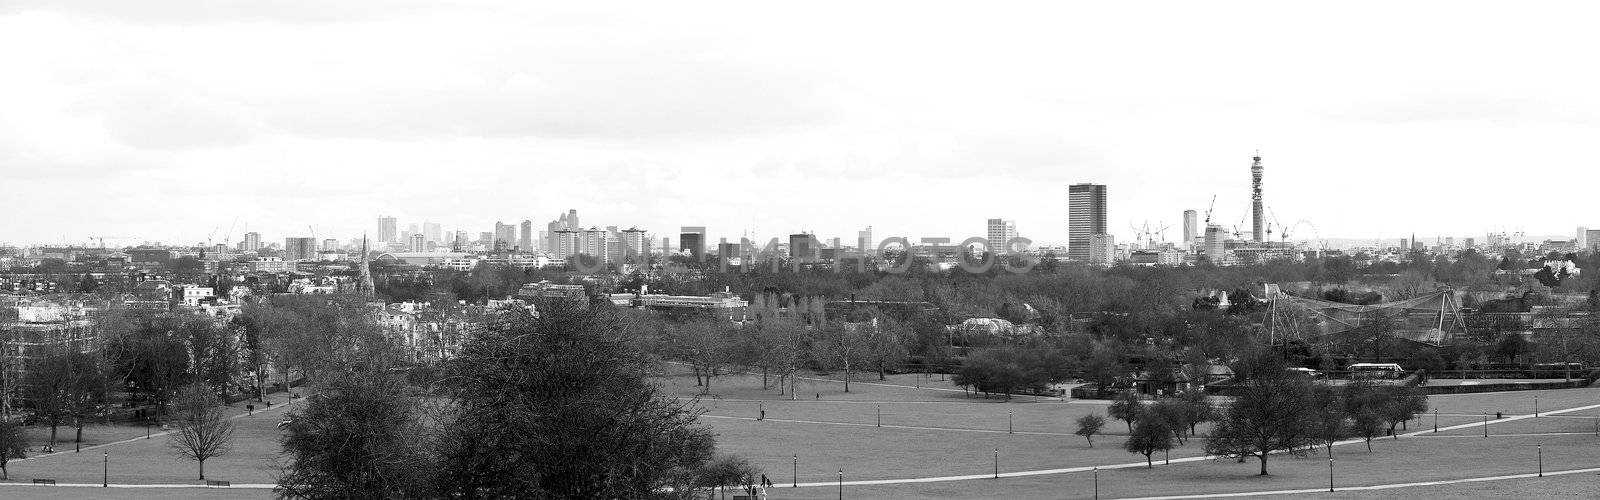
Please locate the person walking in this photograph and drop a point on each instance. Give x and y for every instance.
(766, 483)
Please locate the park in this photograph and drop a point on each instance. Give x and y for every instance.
(921, 436)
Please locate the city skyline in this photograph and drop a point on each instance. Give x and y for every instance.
(750, 126)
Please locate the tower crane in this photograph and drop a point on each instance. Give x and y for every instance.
(1161, 231)
(102, 239)
(1209, 208)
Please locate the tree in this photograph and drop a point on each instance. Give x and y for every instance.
(13, 445)
(1400, 404)
(65, 387)
(1126, 408)
(724, 470)
(1089, 425)
(358, 436)
(203, 432)
(1512, 345)
(1265, 417)
(887, 346)
(559, 405)
(839, 348)
(1326, 419)
(706, 346)
(1196, 408)
(1151, 434)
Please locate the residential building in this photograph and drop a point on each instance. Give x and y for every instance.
(252, 242)
(1000, 234)
(525, 239)
(299, 249)
(692, 239)
(386, 229)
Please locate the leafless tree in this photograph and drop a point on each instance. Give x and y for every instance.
(203, 432)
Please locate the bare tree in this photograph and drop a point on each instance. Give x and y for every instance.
(203, 432)
(13, 445)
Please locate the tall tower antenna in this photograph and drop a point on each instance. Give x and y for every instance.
(1257, 229)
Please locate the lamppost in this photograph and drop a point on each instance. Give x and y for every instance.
(105, 479)
(795, 482)
(1485, 424)
(1008, 422)
(1330, 474)
(1541, 459)
(997, 463)
(1536, 406)
(1436, 420)
(1097, 483)
(841, 484)
(880, 415)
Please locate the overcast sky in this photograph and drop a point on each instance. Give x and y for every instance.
(164, 120)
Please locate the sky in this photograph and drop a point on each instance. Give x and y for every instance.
(175, 121)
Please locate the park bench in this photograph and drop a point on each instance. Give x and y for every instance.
(49, 482)
(218, 484)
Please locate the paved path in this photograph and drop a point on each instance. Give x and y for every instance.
(272, 408)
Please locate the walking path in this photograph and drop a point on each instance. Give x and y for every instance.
(155, 435)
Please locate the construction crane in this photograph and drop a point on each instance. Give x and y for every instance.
(1161, 231)
(1210, 208)
(227, 238)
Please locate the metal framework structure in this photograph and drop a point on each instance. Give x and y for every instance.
(1432, 318)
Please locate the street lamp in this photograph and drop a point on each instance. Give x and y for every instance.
(880, 415)
(795, 482)
(1485, 424)
(1541, 459)
(1536, 406)
(1008, 422)
(997, 463)
(105, 479)
(841, 484)
(1097, 483)
(1435, 420)
(1330, 474)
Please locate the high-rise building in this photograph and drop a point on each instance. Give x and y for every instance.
(1216, 244)
(592, 242)
(1582, 241)
(432, 232)
(1591, 239)
(486, 239)
(386, 229)
(418, 243)
(1000, 233)
(635, 244)
(1102, 248)
(299, 248)
(567, 221)
(802, 247)
(1086, 217)
(865, 243)
(460, 243)
(1191, 226)
(692, 239)
(505, 234)
(566, 243)
(252, 241)
(1258, 227)
(330, 244)
(525, 240)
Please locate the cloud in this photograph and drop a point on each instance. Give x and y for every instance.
(158, 119)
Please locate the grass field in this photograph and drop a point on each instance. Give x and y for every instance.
(932, 430)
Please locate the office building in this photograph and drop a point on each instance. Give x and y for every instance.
(1582, 240)
(505, 235)
(593, 242)
(566, 243)
(299, 249)
(692, 239)
(1086, 217)
(330, 244)
(386, 229)
(525, 239)
(419, 243)
(1000, 233)
(432, 232)
(865, 243)
(1591, 239)
(803, 246)
(1216, 244)
(252, 242)
(567, 221)
(1191, 227)
(1102, 248)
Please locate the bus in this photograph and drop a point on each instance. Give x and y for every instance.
(1376, 370)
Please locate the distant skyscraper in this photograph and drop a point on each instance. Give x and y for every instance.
(419, 243)
(252, 241)
(1591, 239)
(1000, 231)
(486, 239)
(801, 246)
(1216, 244)
(386, 229)
(592, 242)
(525, 240)
(299, 248)
(1191, 226)
(460, 243)
(432, 232)
(865, 243)
(693, 240)
(505, 234)
(566, 241)
(330, 244)
(1258, 228)
(1582, 240)
(566, 221)
(1086, 217)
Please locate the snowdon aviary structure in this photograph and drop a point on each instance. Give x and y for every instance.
(1431, 318)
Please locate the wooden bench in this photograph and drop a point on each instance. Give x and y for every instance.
(218, 484)
(50, 482)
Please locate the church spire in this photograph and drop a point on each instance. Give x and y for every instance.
(365, 287)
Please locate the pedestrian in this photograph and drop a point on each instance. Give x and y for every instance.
(819, 395)
(763, 414)
(767, 483)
